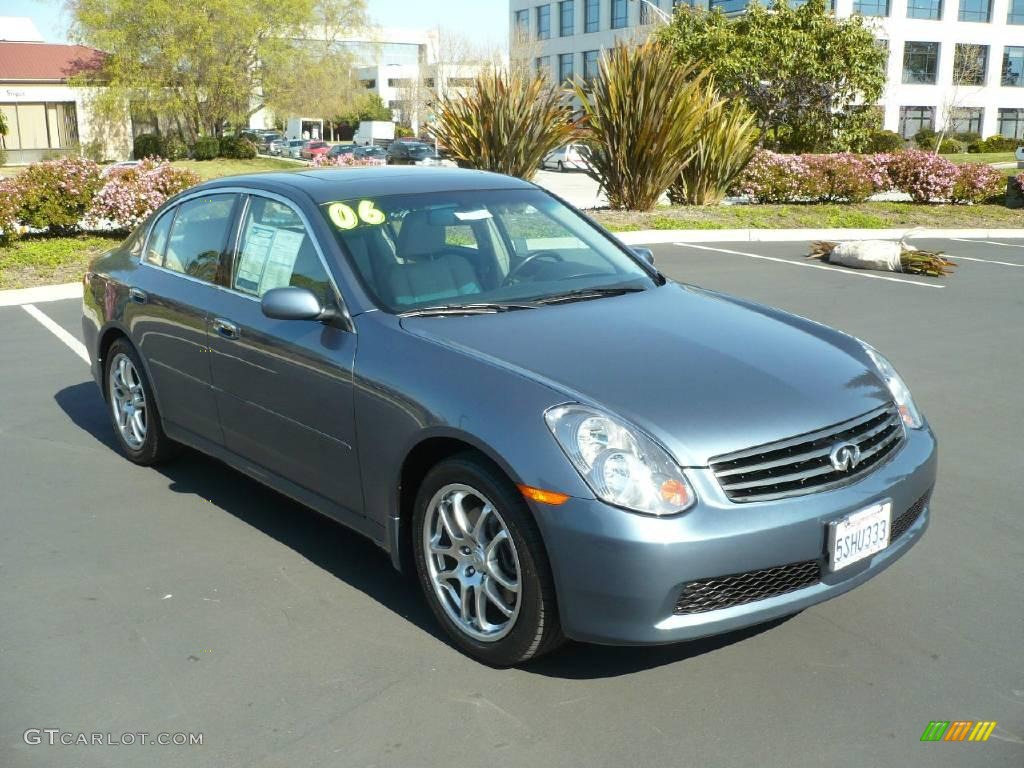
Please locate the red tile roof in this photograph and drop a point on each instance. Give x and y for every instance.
(42, 62)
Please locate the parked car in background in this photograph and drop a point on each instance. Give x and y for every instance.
(267, 139)
(567, 158)
(557, 439)
(312, 149)
(376, 153)
(341, 149)
(292, 148)
(415, 153)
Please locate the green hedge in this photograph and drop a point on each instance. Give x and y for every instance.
(237, 148)
(206, 148)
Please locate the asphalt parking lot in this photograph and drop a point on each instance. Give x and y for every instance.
(189, 599)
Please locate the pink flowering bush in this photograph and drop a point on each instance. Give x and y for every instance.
(8, 212)
(130, 194)
(345, 161)
(56, 194)
(774, 178)
(924, 176)
(839, 177)
(976, 183)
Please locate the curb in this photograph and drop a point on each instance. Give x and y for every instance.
(40, 294)
(662, 236)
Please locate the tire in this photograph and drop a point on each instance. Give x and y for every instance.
(561, 167)
(123, 365)
(533, 628)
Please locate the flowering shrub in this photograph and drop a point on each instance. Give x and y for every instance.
(8, 212)
(976, 183)
(878, 169)
(774, 178)
(56, 194)
(842, 176)
(922, 175)
(345, 161)
(132, 193)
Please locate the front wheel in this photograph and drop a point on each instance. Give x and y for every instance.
(482, 564)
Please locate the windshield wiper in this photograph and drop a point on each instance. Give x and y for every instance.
(583, 294)
(465, 309)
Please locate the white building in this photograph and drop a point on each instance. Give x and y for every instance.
(46, 116)
(922, 38)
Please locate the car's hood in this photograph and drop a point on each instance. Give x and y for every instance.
(703, 373)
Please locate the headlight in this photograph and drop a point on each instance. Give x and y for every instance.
(900, 392)
(621, 465)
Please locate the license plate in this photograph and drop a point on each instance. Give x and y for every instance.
(859, 535)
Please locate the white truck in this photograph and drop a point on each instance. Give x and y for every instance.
(304, 128)
(374, 132)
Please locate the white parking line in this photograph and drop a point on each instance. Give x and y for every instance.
(76, 346)
(814, 265)
(983, 261)
(986, 242)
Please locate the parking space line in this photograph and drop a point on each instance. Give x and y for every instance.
(49, 324)
(983, 261)
(812, 265)
(986, 242)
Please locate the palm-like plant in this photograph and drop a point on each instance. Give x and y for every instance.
(643, 113)
(726, 142)
(506, 122)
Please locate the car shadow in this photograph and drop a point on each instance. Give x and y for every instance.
(356, 560)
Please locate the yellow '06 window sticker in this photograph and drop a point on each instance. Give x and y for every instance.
(343, 216)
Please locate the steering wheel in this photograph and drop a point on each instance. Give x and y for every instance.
(514, 272)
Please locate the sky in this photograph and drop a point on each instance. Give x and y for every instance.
(483, 21)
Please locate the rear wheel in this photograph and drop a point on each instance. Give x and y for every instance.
(482, 564)
(132, 408)
(561, 167)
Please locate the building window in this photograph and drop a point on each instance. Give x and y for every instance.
(590, 64)
(728, 6)
(970, 64)
(565, 67)
(543, 64)
(914, 119)
(920, 63)
(620, 11)
(966, 120)
(1011, 123)
(646, 13)
(976, 10)
(871, 7)
(369, 84)
(924, 9)
(543, 22)
(566, 18)
(592, 16)
(1016, 13)
(522, 21)
(1013, 66)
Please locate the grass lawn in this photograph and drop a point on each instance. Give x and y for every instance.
(981, 157)
(213, 169)
(38, 260)
(861, 216)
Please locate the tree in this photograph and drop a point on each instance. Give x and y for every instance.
(214, 63)
(969, 66)
(801, 71)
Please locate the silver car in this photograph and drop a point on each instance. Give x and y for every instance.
(556, 439)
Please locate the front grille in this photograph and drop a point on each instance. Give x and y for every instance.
(726, 591)
(902, 523)
(801, 464)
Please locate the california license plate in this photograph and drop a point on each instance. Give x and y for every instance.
(859, 535)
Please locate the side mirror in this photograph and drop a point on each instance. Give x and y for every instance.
(645, 253)
(293, 304)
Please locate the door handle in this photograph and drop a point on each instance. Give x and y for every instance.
(225, 328)
(136, 295)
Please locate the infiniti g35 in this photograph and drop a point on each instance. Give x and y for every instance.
(557, 439)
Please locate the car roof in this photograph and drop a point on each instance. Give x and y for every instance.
(326, 184)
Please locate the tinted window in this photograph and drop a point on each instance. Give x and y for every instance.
(276, 251)
(158, 239)
(199, 235)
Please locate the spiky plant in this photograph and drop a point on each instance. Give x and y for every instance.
(642, 114)
(726, 141)
(506, 122)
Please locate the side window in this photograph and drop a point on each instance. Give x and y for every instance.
(276, 251)
(199, 235)
(158, 239)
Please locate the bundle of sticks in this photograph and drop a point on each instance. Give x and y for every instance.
(887, 255)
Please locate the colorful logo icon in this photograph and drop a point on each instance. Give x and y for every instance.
(958, 730)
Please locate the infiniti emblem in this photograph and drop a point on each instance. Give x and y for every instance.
(844, 456)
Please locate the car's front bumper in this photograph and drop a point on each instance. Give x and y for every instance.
(619, 575)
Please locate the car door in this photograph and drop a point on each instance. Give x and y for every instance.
(284, 387)
(169, 311)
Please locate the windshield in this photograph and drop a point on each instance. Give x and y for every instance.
(477, 246)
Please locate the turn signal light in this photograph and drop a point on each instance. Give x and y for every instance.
(675, 493)
(542, 496)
